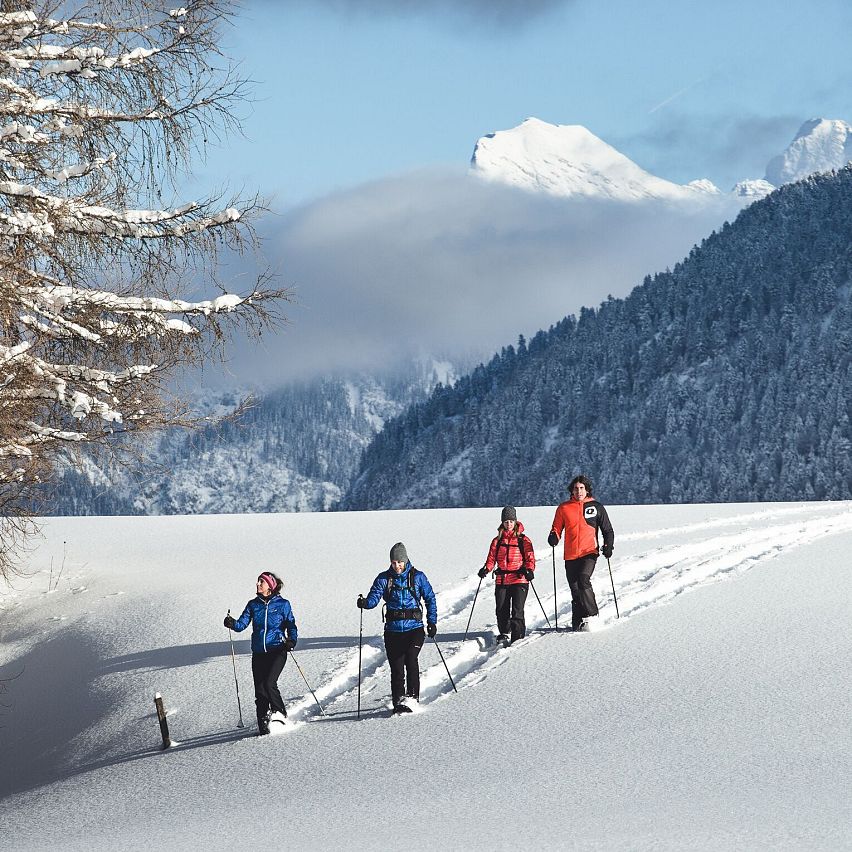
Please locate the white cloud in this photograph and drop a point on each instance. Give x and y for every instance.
(448, 264)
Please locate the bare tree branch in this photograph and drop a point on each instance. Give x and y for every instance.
(103, 107)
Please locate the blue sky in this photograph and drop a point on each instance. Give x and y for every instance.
(367, 112)
(352, 91)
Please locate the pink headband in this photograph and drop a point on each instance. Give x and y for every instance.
(269, 580)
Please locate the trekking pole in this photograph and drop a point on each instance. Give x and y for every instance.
(555, 610)
(614, 598)
(292, 655)
(532, 586)
(360, 639)
(471, 611)
(445, 664)
(234, 661)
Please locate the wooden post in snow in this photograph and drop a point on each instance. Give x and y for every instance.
(161, 715)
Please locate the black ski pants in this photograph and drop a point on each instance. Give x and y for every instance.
(266, 668)
(403, 650)
(579, 573)
(510, 601)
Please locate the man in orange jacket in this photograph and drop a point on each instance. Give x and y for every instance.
(580, 518)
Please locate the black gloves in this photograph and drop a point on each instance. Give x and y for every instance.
(482, 572)
(361, 602)
(229, 622)
(431, 630)
(553, 539)
(607, 551)
(527, 572)
(289, 645)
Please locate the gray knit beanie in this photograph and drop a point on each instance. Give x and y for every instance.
(508, 514)
(398, 553)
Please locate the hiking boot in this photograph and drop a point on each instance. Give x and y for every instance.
(263, 723)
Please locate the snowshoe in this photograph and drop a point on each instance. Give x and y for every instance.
(404, 705)
(278, 723)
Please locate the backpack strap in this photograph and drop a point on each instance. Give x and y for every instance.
(521, 538)
(412, 588)
(412, 584)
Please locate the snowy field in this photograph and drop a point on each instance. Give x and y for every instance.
(714, 715)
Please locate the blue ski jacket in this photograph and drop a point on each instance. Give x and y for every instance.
(271, 619)
(395, 590)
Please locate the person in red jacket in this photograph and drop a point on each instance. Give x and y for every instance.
(581, 518)
(512, 559)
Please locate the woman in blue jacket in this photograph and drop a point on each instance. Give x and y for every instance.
(273, 634)
(402, 588)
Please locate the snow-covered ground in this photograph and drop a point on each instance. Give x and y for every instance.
(718, 719)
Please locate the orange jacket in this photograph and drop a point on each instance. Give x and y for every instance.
(580, 521)
(505, 554)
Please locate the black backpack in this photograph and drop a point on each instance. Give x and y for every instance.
(416, 613)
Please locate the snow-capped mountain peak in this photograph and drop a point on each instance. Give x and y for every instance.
(821, 145)
(568, 159)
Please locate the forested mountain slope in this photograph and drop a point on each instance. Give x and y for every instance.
(295, 450)
(727, 378)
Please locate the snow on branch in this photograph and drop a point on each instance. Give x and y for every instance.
(58, 59)
(60, 297)
(55, 214)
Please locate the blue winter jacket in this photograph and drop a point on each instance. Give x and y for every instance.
(400, 597)
(270, 618)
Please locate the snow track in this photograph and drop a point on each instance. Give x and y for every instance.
(704, 552)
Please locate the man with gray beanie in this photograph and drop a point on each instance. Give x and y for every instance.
(402, 588)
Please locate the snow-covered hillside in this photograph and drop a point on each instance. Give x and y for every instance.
(295, 450)
(714, 714)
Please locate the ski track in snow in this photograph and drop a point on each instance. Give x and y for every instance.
(646, 579)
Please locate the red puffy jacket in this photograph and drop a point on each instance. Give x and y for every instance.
(510, 551)
(580, 522)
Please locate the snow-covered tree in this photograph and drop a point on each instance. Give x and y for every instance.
(103, 107)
